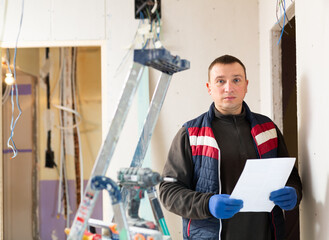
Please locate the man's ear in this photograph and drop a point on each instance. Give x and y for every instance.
(208, 87)
(247, 85)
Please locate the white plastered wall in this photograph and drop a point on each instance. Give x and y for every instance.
(312, 33)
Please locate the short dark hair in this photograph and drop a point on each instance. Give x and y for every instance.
(226, 59)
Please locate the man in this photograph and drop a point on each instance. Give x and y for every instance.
(208, 155)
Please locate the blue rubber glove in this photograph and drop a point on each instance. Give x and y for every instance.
(285, 198)
(221, 206)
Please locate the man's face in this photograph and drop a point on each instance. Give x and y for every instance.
(227, 86)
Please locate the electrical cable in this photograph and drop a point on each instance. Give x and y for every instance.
(277, 17)
(63, 182)
(69, 110)
(145, 45)
(13, 123)
(61, 59)
(129, 51)
(67, 197)
(284, 20)
(277, 9)
(75, 103)
(63, 172)
(141, 16)
(148, 14)
(144, 42)
(60, 107)
(285, 12)
(155, 6)
(10, 139)
(64, 118)
(159, 25)
(60, 184)
(139, 10)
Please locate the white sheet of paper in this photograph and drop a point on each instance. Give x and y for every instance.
(258, 179)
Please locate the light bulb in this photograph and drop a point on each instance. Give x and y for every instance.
(9, 79)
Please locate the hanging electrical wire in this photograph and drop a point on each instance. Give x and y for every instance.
(60, 184)
(148, 30)
(155, 27)
(77, 138)
(68, 112)
(64, 196)
(60, 106)
(281, 4)
(63, 170)
(14, 91)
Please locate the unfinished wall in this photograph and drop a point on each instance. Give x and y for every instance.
(88, 96)
(18, 172)
(88, 78)
(53, 24)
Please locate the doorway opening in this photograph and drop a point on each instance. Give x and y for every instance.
(289, 111)
(285, 99)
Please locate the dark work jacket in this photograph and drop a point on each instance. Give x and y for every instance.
(206, 159)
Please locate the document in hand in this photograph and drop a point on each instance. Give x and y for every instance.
(258, 179)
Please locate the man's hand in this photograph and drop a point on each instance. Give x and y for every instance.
(285, 198)
(221, 206)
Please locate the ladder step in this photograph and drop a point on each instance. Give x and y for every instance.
(161, 59)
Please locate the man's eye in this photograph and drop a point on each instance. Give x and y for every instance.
(236, 80)
(220, 81)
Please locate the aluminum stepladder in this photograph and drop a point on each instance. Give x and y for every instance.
(162, 60)
(102, 183)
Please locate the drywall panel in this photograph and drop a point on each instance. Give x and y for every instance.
(78, 20)
(36, 25)
(51, 21)
(312, 36)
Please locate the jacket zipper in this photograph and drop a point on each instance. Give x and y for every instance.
(242, 146)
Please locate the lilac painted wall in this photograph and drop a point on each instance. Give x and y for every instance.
(50, 227)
